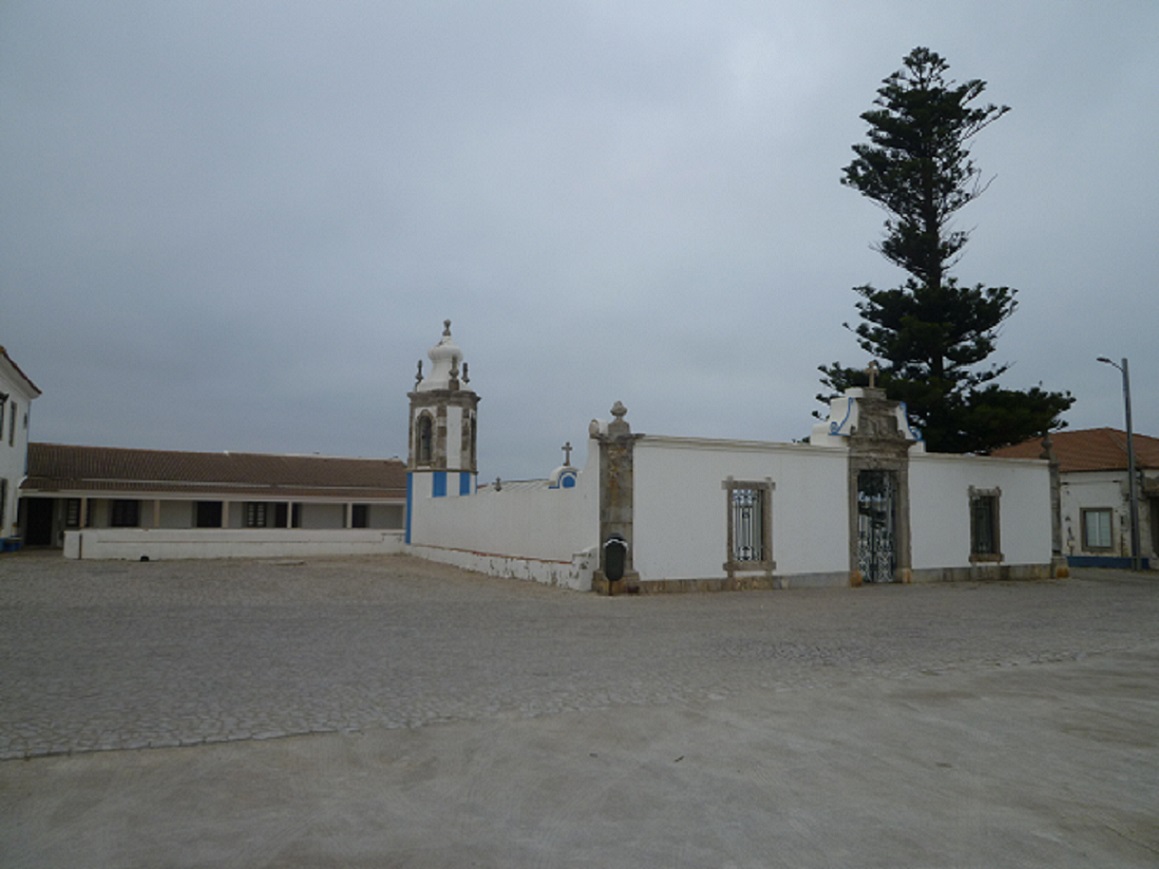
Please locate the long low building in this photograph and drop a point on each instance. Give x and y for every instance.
(72, 488)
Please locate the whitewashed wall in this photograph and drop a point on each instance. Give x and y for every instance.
(14, 452)
(680, 515)
(159, 544)
(524, 530)
(940, 508)
(1097, 490)
(681, 510)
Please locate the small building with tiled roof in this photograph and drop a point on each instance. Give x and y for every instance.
(72, 488)
(17, 392)
(1094, 489)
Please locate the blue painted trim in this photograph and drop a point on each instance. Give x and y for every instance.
(464, 482)
(439, 484)
(916, 432)
(568, 482)
(410, 499)
(835, 427)
(1116, 561)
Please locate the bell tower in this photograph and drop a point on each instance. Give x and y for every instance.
(441, 452)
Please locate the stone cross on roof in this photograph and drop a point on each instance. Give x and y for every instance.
(567, 448)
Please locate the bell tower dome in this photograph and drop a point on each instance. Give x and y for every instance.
(441, 453)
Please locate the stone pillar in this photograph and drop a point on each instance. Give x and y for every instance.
(1059, 568)
(616, 448)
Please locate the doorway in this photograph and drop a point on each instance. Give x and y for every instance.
(38, 521)
(877, 525)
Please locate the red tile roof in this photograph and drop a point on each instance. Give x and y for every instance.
(61, 467)
(1093, 449)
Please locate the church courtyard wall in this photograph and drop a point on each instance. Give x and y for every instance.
(861, 502)
(523, 530)
(682, 507)
(940, 492)
(680, 534)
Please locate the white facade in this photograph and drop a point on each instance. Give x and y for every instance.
(681, 507)
(1094, 510)
(1096, 518)
(940, 486)
(527, 530)
(16, 395)
(862, 501)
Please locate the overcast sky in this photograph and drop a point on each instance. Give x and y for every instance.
(239, 225)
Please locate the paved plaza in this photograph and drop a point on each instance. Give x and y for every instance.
(391, 712)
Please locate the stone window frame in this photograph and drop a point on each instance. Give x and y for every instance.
(1109, 512)
(765, 488)
(994, 496)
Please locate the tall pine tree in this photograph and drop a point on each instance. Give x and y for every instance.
(932, 333)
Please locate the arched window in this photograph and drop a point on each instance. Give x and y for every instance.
(424, 437)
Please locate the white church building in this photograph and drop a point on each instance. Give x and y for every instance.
(17, 393)
(862, 502)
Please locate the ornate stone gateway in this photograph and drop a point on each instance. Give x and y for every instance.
(876, 525)
(879, 438)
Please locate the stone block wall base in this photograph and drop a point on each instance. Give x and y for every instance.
(986, 573)
(855, 579)
(1059, 568)
(628, 584)
(696, 586)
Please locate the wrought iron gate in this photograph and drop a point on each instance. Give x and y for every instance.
(747, 525)
(876, 509)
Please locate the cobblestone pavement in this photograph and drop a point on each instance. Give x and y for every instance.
(102, 656)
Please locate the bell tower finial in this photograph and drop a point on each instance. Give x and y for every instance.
(446, 328)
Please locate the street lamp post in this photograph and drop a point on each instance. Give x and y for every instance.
(1132, 494)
